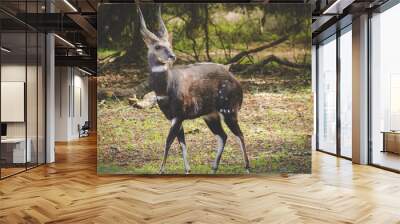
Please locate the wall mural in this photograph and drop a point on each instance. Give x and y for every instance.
(204, 89)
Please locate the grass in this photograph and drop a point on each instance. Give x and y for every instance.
(276, 119)
(104, 53)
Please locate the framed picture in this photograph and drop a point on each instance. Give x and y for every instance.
(204, 88)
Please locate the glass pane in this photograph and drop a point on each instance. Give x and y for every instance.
(346, 93)
(386, 89)
(41, 98)
(13, 86)
(327, 96)
(31, 97)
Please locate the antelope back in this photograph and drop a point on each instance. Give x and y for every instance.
(205, 88)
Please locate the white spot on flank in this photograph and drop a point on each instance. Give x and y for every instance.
(223, 85)
(195, 105)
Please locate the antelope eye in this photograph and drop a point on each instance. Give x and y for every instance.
(157, 47)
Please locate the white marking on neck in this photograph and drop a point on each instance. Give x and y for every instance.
(161, 97)
(159, 68)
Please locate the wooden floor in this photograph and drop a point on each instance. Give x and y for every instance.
(69, 191)
(387, 159)
(5, 172)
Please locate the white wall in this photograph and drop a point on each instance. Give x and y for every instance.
(80, 109)
(12, 73)
(33, 126)
(17, 73)
(70, 109)
(62, 81)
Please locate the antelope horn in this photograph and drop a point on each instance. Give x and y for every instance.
(143, 27)
(163, 28)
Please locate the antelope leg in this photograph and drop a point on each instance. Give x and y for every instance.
(173, 132)
(233, 125)
(182, 142)
(214, 123)
(220, 150)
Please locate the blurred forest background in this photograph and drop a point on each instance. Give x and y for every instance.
(269, 49)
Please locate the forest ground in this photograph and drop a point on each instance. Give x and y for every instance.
(276, 119)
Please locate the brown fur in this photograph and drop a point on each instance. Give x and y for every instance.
(192, 91)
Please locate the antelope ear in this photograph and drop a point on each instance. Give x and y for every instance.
(170, 38)
(149, 41)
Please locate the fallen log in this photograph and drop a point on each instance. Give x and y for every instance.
(269, 59)
(243, 54)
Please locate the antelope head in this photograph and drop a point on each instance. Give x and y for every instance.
(159, 46)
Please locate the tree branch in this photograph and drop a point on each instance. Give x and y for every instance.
(242, 54)
(273, 58)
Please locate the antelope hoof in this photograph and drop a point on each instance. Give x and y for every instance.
(187, 170)
(214, 169)
(248, 170)
(162, 171)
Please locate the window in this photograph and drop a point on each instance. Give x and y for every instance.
(22, 77)
(385, 89)
(346, 92)
(327, 95)
(334, 106)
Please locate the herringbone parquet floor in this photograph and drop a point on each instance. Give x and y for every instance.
(69, 191)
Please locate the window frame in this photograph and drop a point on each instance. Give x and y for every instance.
(338, 33)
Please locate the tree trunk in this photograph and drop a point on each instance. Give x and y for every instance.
(137, 51)
(192, 28)
(207, 39)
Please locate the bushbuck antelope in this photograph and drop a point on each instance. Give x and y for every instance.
(205, 90)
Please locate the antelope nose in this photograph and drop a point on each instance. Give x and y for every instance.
(172, 57)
